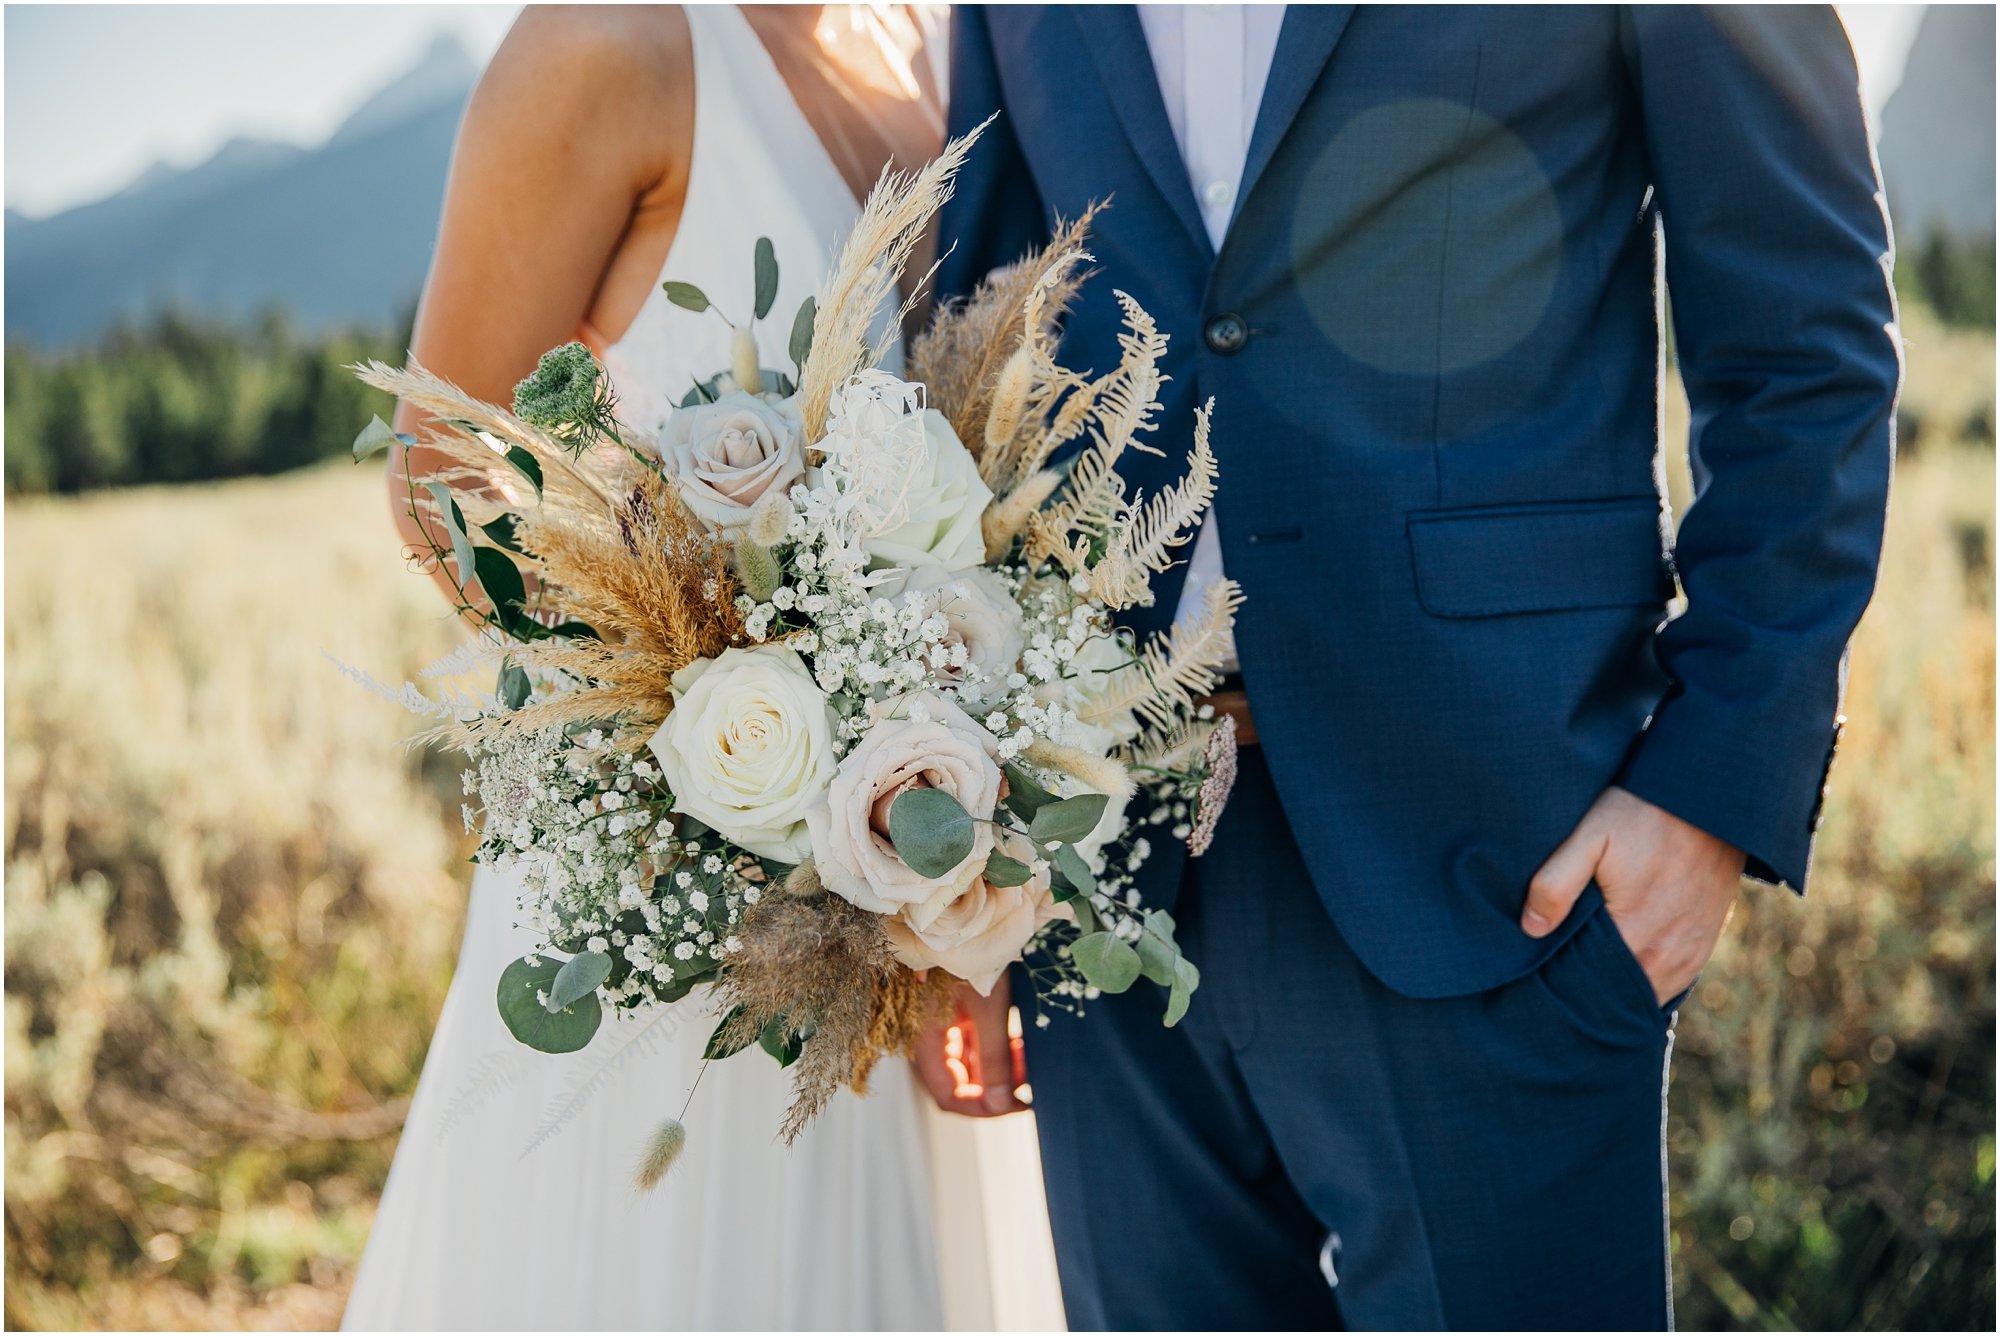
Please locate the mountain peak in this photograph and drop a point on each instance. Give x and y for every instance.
(444, 73)
(258, 224)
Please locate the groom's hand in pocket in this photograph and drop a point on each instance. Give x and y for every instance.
(1668, 885)
(971, 1063)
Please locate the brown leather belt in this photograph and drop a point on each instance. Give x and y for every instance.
(1236, 704)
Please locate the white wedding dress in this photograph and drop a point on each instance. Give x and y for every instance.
(885, 1215)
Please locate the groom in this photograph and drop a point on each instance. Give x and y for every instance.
(1504, 792)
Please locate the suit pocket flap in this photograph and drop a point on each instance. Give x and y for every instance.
(1488, 561)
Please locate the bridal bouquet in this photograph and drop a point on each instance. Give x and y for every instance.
(810, 693)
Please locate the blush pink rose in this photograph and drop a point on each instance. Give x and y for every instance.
(978, 931)
(924, 741)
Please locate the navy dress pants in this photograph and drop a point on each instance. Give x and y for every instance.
(1310, 1150)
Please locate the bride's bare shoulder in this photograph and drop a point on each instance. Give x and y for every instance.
(646, 43)
(623, 74)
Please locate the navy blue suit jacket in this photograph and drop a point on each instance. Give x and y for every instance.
(1440, 439)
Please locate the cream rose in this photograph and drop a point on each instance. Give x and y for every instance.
(749, 748)
(982, 618)
(978, 931)
(727, 456)
(941, 510)
(924, 741)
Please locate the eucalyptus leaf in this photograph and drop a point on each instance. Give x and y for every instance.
(1073, 871)
(454, 522)
(1086, 917)
(720, 1045)
(1186, 979)
(1067, 819)
(1108, 964)
(376, 437)
(686, 295)
(767, 276)
(501, 579)
(578, 978)
(564, 1031)
(1004, 871)
(501, 531)
(782, 1042)
(527, 465)
(1024, 796)
(931, 832)
(513, 688)
(1157, 952)
(802, 331)
(675, 989)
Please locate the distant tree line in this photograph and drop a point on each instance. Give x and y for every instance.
(1953, 275)
(185, 400)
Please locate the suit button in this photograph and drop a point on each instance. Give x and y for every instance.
(1226, 334)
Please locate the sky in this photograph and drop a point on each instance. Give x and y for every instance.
(95, 94)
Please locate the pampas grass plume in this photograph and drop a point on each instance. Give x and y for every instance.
(663, 1148)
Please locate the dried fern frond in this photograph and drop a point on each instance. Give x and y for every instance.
(865, 274)
(1121, 408)
(969, 342)
(1144, 539)
(1175, 669)
(1166, 749)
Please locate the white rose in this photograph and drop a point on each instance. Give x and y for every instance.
(982, 616)
(978, 931)
(728, 455)
(850, 824)
(749, 748)
(941, 510)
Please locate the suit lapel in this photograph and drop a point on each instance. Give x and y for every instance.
(1305, 44)
(1116, 42)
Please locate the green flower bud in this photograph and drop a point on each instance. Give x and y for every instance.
(568, 397)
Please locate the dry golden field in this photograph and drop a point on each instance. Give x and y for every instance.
(232, 903)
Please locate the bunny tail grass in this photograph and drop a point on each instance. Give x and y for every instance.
(663, 1148)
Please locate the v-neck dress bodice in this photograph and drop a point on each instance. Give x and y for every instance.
(758, 169)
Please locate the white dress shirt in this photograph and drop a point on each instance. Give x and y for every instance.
(1212, 62)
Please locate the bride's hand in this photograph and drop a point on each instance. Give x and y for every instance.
(978, 1073)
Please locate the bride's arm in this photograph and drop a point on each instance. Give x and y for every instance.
(579, 130)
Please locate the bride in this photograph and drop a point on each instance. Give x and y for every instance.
(607, 149)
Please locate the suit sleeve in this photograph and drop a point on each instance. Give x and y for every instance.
(1777, 259)
(995, 215)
